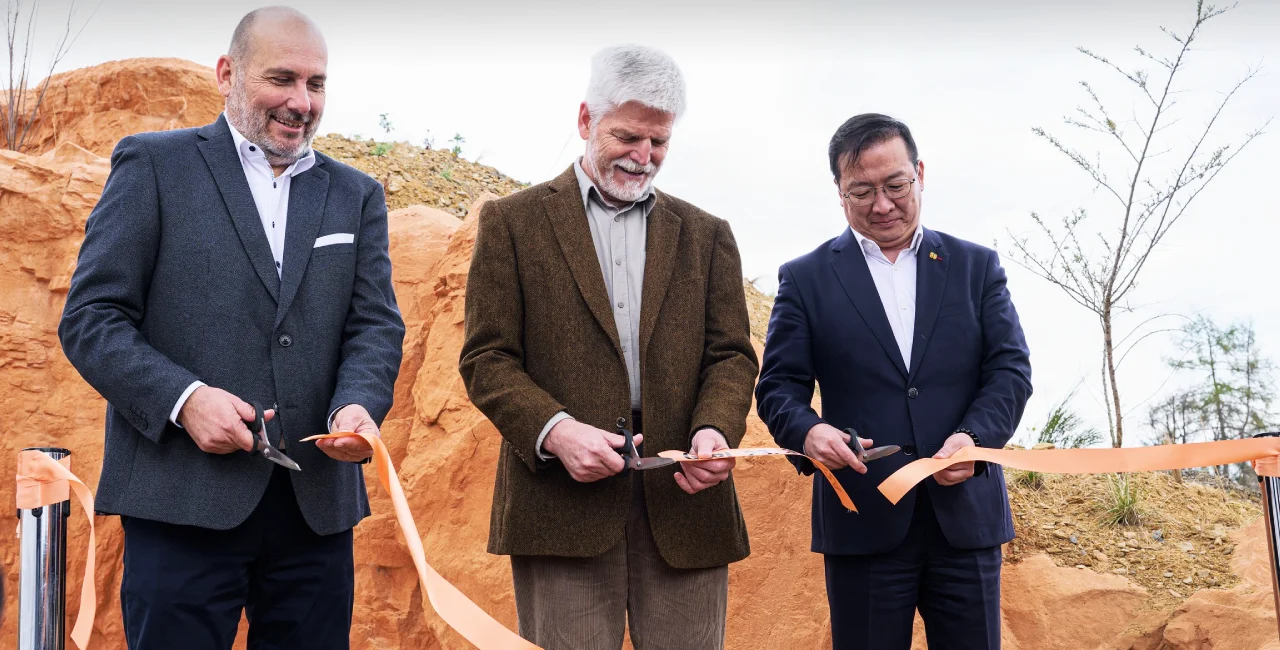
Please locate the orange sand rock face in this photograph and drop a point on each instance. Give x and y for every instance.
(446, 450)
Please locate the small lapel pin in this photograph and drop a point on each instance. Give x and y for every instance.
(933, 256)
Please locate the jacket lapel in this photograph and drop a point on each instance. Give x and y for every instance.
(220, 155)
(931, 282)
(568, 219)
(851, 270)
(661, 237)
(308, 193)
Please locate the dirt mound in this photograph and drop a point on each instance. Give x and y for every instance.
(416, 176)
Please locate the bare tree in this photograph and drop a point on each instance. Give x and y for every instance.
(20, 111)
(1099, 270)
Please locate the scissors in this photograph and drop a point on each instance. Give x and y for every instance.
(631, 457)
(866, 455)
(258, 427)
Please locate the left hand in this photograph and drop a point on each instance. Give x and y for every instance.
(353, 449)
(956, 473)
(695, 477)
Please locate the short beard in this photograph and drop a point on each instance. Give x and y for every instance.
(254, 126)
(625, 192)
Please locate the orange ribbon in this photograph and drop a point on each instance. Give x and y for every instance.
(43, 481)
(464, 616)
(749, 452)
(1263, 451)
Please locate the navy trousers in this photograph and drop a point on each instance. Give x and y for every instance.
(185, 587)
(873, 598)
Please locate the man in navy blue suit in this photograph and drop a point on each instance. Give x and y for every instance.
(913, 338)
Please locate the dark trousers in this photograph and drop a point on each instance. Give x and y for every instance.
(185, 587)
(874, 598)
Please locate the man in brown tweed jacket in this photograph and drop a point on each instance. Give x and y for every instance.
(596, 302)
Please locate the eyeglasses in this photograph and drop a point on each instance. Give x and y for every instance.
(864, 196)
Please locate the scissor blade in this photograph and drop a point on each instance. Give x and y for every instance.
(649, 463)
(880, 452)
(274, 455)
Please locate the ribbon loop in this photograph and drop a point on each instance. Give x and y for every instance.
(43, 481)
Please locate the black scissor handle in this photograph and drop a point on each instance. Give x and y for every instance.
(855, 444)
(257, 426)
(628, 449)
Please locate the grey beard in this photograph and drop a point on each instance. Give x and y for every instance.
(255, 130)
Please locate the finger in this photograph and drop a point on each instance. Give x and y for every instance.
(242, 438)
(699, 472)
(849, 459)
(684, 483)
(703, 446)
(695, 484)
(270, 413)
(867, 443)
(610, 462)
(637, 439)
(845, 437)
(243, 409)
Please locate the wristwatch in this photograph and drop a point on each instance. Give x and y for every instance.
(979, 466)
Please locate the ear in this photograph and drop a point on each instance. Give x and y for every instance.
(920, 174)
(584, 121)
(222, 73)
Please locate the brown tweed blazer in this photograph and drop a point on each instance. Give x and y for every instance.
(540, 338)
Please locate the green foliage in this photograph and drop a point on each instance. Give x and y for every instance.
(1123, 502)
(447, 173)
(385, 123)
(1028, 479)
(382, 149)
(1064, 429)
(457, 141)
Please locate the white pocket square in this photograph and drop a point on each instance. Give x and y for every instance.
(335, 238)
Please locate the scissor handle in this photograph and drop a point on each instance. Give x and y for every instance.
(257, 426)
(855, 444)
(628, 449)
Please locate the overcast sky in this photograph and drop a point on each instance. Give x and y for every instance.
(768, 83)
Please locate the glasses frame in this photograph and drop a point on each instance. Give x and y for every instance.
(874, 191)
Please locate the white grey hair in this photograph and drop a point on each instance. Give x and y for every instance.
(634, 73)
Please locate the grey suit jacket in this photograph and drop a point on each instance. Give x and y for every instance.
(176, 282)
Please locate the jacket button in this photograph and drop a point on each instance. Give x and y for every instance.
(909, 450)
(622, 423)
(912, 392)
(286, 341)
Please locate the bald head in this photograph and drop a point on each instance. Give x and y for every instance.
(273, 78)
(244, 41)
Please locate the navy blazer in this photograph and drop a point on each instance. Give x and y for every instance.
(176, 282)
(970, 368)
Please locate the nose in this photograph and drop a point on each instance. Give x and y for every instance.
(299, 99)
(643, 152)
(881, 204)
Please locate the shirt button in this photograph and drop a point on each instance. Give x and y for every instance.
(618, 262)
(252, 148)
(286, 341)
(617, 219)
(619, 305)
(913, 393)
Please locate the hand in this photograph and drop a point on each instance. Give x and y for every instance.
(589, 454)
(215, 420)
(352, 449)
(695, 477)
(956, 473)
(830, 446)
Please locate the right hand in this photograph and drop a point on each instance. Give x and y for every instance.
(215, 419)
(830, 446)
(589, 454)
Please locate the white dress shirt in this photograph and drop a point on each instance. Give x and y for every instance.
(896, 284)
(271, 196)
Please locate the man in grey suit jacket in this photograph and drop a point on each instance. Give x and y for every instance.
(226, 265)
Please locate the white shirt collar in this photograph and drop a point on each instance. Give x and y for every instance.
(871, 248)
(251, 154)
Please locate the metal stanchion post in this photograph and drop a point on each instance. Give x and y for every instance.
(1271, 517)
(42, 591)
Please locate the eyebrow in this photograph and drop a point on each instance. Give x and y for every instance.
(892, 177)
(291, 73)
